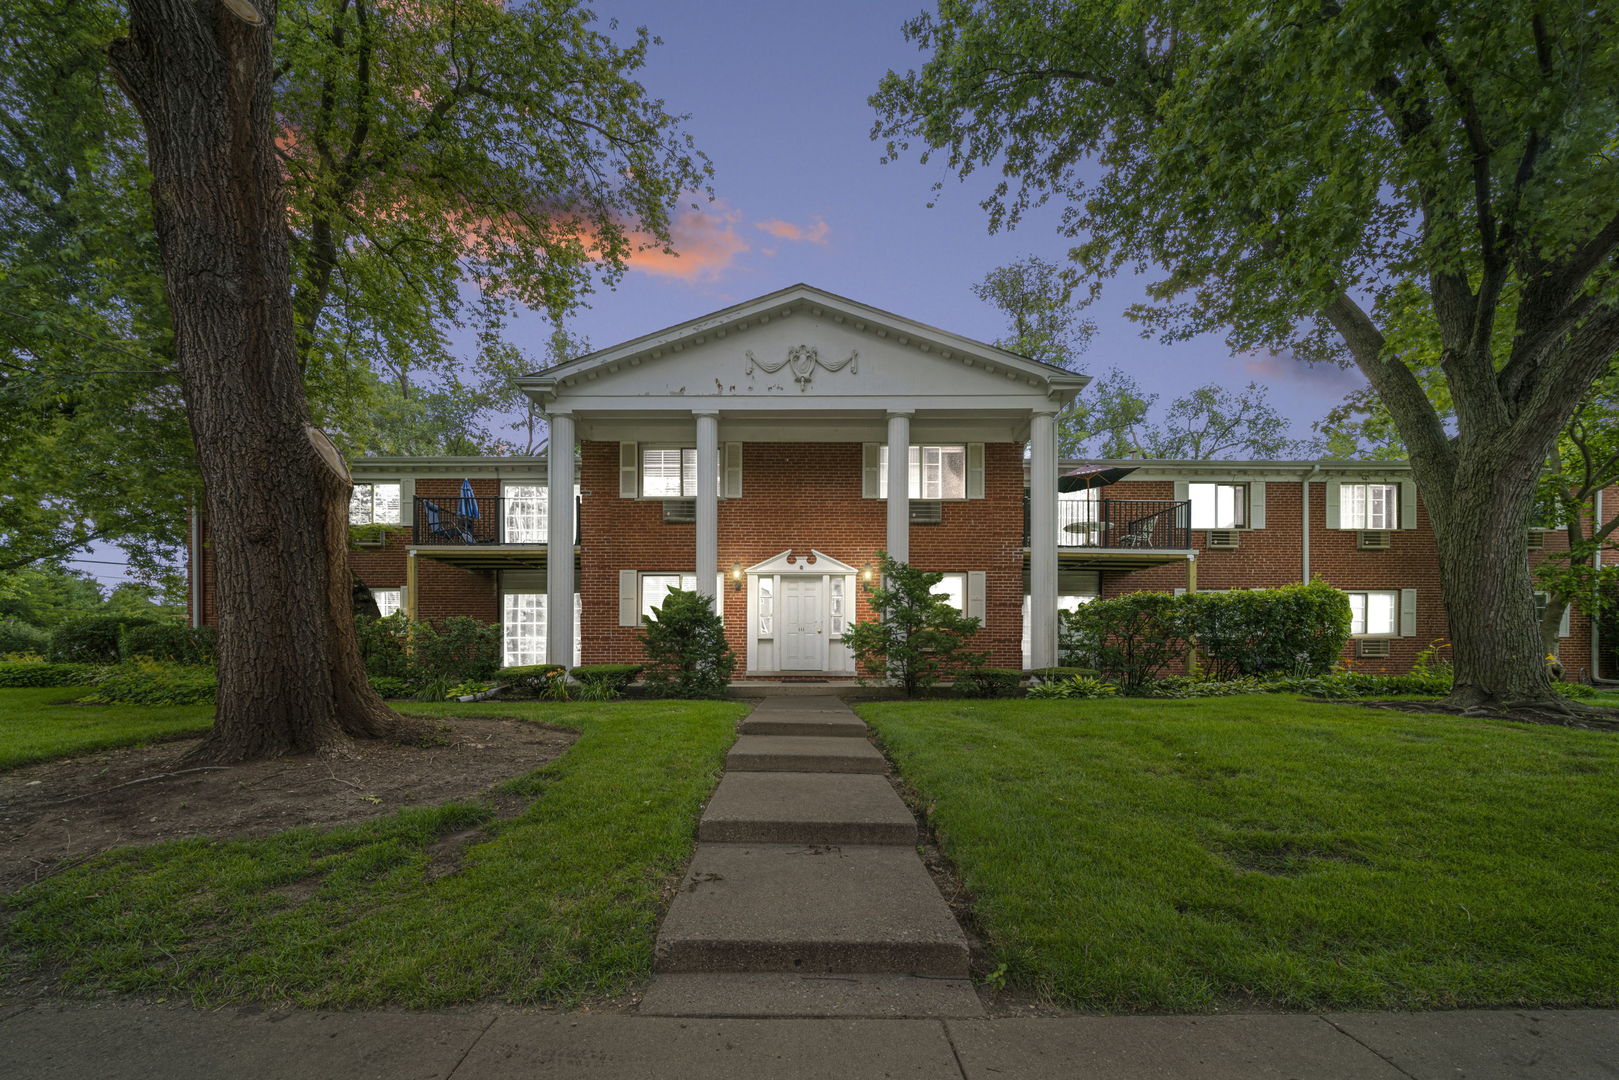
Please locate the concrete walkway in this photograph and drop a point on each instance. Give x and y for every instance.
(115, 1042)
(806, 896)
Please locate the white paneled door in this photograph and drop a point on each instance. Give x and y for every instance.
(802, 635)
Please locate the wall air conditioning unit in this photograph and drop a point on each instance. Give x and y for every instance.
(1375, 540)
(1224, 538)
(1537, 539)
(679, 511)
(930, 512)
(1373, 648)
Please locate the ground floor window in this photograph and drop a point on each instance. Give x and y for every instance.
(1373, 614)
(523, 625)
(388, 600)
(952, 589)
(655, 588)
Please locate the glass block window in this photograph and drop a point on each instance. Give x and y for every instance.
(374, 504)
(523, 628)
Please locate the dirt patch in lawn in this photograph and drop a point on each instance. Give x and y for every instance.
(59, 813)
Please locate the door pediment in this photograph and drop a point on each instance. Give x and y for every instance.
(784, 563)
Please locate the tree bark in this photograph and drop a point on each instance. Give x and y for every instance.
(199, 74)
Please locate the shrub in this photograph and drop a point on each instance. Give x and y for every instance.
(917, 637)
(607, 680)
(1050, 674)
(1290, 630)
(150, 682)
(459, 648)
(386, 686)
(38, 673)
(173, 643)
(1072, 644)
(1132, 638)
(985, 682)
(20, 638)
(687, 656)
(1184, 686)
(92, 639)
(385, 646)
(1074, 686)
(1354, 684)
(535, 680)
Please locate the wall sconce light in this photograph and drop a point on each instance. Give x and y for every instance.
(736, 576)
(867, 574)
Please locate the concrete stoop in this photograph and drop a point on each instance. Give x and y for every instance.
(806, 896)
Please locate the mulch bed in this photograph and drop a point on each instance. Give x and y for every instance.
(60, 813)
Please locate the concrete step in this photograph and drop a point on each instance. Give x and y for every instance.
(804, 753)
(783, 994)
(838, 722)
(810, 910)
(806, 808)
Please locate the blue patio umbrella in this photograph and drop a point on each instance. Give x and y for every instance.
(468, 506)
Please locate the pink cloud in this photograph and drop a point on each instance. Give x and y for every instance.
(705, 241)
(786, 230)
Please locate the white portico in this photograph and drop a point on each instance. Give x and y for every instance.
(917, 405)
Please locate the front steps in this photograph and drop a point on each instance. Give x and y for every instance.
(806, 896)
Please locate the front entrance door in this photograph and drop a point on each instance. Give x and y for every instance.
(803, 640)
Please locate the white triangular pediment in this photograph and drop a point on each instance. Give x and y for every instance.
(785, 563)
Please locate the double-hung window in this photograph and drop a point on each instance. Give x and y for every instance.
(936, 472)
(670, 472)
(374, 503)
(1218, 506)
(1373, 507)
(655, 588)
(1374, 613)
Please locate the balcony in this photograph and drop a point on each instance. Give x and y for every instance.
(488, 532)
(1120, 533)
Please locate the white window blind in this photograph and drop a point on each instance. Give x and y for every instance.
(388, 600)
(936, 472)
(1369, 506)
(655, 588)
(952, 589)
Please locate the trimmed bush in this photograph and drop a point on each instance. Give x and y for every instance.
(612, 679)
(987, 682)
(1131, 639)
(18, 638)
(535, 680)
(1292, 630)
(40, 673)
(148, 682)
(1184, 686)
(169, 642)
(93, 639)
(686, 652)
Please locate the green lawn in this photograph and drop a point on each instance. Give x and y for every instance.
(1203, 854)
(558, 905)
(41, 723)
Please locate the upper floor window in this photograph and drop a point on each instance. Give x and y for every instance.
(373, 503)
(670, 472)
(1373, 614)
(1218, 506)
(1369, 506)
(525, 513)
(936, 472)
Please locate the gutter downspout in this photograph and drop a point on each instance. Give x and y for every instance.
(1596, 630)
(1304, 501)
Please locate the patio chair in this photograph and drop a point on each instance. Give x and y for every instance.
(441, 528)
(1140, 533)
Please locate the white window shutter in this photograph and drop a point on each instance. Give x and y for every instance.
(1333, 513)
(629, 470)
(733, 470)
(1181, 494)
(976, 587)
(1408, 613)
(1408, 505)
(1256, 504)
(629, 598)
(975, 470)
(869, 468)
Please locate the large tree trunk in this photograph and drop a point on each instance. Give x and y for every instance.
(199, 74)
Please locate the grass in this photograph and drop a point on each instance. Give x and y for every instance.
(42, 723)
(558, 905)
(1207, 854)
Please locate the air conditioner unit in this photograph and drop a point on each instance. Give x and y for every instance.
(930, 512)
(1537, 539)
(1224, 538)
(679, 511)
(1373, 648)
(1375, 540)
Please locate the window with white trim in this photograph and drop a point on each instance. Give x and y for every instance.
(767, 606)
(524, 520)
(936, 472)
(374, 503)
(1218, 506)
(952, 589)
(670, 472)
(523, 628)
(388, 600)
(1373, 507)
(835, 605)
(655, 589)
(1374, 613)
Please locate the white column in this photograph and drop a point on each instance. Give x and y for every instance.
(708, 521)
(1042, 540)
(899, 486)
(559, 534)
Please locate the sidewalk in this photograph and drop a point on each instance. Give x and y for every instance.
(114, 1042)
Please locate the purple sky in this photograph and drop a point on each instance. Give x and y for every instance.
(777, 97)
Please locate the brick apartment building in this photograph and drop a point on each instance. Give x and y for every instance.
(764, 455)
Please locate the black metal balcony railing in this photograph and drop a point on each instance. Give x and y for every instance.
(486, 519)
(1157, 524)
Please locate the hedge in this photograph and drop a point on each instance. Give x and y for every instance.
(149, 682)
(41, 673)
